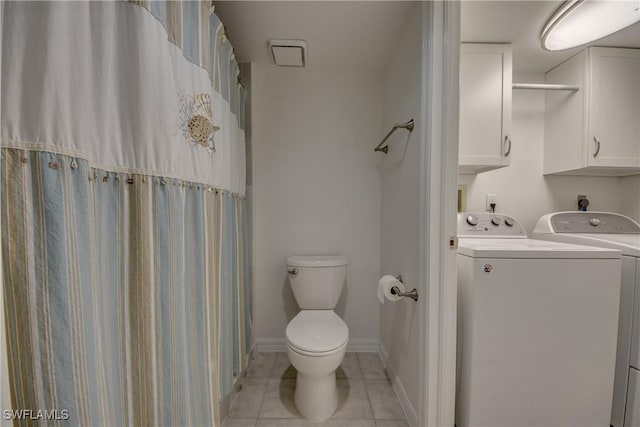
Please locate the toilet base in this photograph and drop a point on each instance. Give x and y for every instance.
(316, 397)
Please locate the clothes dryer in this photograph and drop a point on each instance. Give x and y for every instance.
(611, 230)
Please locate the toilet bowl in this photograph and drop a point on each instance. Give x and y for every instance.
(316, 337)
(316, 344)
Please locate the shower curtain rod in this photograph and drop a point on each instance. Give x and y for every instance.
(408, 125)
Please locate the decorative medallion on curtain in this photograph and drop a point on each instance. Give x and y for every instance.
(123, 215)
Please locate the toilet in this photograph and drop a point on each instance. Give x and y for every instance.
(316, 337)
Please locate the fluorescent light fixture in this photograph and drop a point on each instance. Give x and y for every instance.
(579, 22)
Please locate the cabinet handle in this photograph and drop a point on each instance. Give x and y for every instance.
(597, 146)
(508, 150)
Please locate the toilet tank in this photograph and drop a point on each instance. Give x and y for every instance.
(317, 281)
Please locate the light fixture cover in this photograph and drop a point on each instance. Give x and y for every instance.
(288, 53)
(578, 22)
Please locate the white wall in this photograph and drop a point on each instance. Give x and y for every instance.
(316, 190)
(523, 192)
(399, 329)
(630, 204)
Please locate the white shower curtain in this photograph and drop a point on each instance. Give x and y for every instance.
(123, 217)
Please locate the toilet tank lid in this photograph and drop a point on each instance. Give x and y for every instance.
(316, 261)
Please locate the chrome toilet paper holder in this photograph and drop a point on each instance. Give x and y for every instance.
(413, 294)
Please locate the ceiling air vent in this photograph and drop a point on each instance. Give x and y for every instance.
(288, 53)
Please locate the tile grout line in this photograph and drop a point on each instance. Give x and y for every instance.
(366, 390)
(266, 387)
(360, 367)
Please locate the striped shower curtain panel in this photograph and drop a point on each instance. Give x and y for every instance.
(124, 249)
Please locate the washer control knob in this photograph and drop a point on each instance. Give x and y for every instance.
(509, 222)
(495, 220)
(594, 221)
(472, 220)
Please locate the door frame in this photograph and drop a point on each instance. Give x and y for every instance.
(438, 210)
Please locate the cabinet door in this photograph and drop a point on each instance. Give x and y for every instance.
(485, 107)
(614, 113)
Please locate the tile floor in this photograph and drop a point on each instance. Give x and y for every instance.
(365, 395)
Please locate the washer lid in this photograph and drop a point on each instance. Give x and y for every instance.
(530, 248)
(317, 331)
(316, 261)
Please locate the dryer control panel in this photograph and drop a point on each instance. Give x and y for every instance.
(487, 225)
(586, 222)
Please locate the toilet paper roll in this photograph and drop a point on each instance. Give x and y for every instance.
(384, 288)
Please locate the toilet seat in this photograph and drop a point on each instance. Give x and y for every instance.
(317, 332)
(315, 353)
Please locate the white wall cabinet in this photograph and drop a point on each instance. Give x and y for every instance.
(595, 130)
(485, 107)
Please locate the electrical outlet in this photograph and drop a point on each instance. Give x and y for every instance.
(491, 198)
(583, 202)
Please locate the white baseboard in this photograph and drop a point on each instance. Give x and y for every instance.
(363, 345)
(267, 345)
(403, 397)
(359, 345)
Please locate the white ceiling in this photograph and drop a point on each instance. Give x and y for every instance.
(340, 34)
(520, 23)
(362, 34)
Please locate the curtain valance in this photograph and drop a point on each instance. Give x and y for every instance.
(151, 90)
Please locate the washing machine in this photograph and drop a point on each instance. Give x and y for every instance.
(611, 230)
(537, 324)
